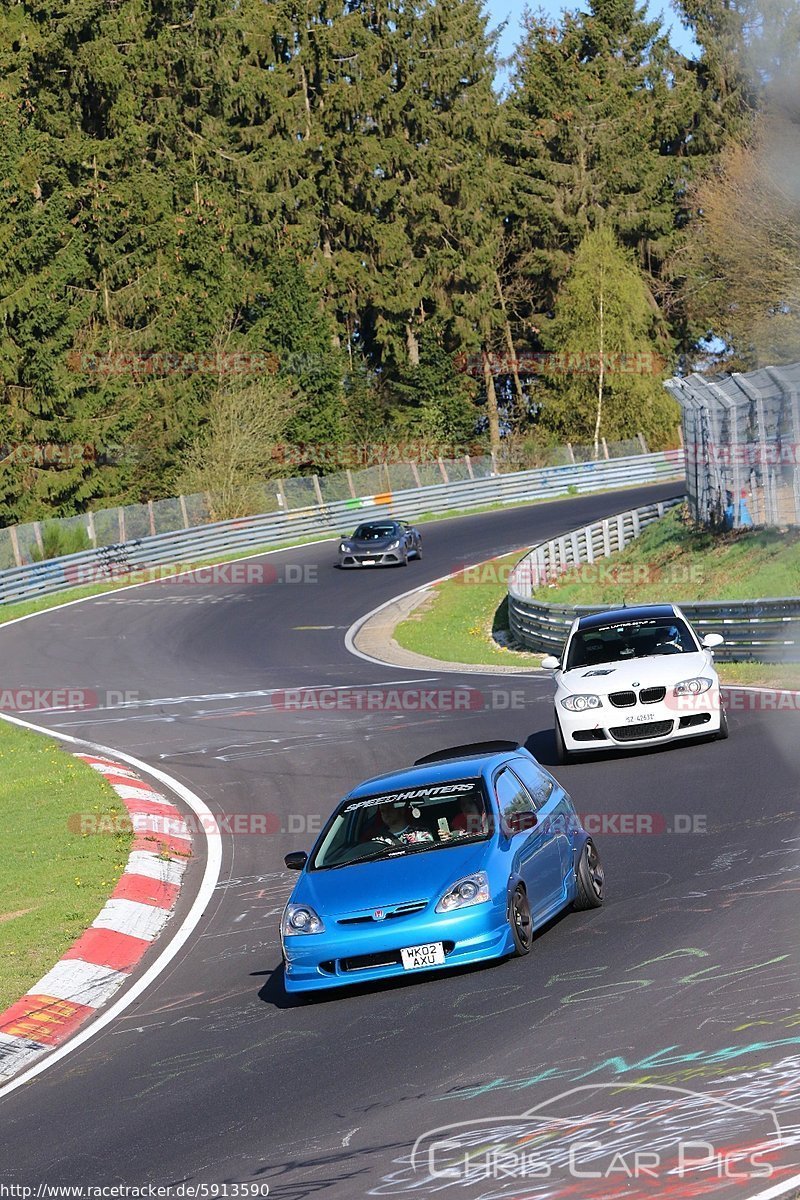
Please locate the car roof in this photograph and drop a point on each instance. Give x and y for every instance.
(642, 612)
(466, 766)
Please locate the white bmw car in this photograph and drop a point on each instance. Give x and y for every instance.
(635, 676)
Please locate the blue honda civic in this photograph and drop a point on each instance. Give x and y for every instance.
(455, 860)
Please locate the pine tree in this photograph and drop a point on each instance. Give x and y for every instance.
(437, 401)
(595, 133)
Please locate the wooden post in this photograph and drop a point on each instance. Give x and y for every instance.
(184, 512)
(282, 495)
(90, 529)
(642, 443)
(15, 545)
(605, 447)
(318, 490)
(470, 471)
(571, 453)
(349, 475)
(443, 470)
(121, 522)
(152, 517)
(37, 533)
(415, 473)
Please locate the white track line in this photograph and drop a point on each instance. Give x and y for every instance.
(780, 1189)
(126, 587)
(355, 628)
(209, 826)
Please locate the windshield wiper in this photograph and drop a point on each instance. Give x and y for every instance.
(390, 852)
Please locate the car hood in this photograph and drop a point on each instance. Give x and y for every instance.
(372, 543)
(360, 887)
(661, 669)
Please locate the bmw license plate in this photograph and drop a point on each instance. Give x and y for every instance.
(415, 957)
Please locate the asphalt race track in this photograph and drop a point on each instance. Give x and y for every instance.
(685, 984)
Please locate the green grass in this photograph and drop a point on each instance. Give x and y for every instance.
(54, 879)
(456, 623)
(755, 674)
(674, 561)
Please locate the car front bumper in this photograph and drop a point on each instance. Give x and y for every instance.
(381, 558)
(671, 719)
(371, 952)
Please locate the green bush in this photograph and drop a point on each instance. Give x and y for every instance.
(60, 539)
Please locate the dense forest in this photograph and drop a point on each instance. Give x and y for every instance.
(321, 223)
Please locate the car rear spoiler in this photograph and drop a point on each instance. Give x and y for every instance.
(470, 751)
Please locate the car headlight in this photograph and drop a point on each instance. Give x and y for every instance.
(395, 545)
(472, 889)
(581, 703)
(345, 547)
(300, 918)
(693, 687)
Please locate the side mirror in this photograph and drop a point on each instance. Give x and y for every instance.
(713, 639)
(520, 822)
(296, 860)
(550, 662)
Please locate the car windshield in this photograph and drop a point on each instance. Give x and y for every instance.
(374, 532)
(621, 641)
(430, 817)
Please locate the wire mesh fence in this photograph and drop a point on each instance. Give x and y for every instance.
(32, 542)
(742, 446)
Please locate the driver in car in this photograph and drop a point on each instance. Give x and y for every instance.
(397, 826)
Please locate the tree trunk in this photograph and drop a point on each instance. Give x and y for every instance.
(510, 347)
(491, 404)
(600, 379)
(307, 100)
(412, 345)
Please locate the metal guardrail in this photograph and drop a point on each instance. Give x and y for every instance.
(249, 533)
(766, 630)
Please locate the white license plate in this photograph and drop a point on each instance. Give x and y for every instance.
(368, 562)
(415, 957)
(639, 718)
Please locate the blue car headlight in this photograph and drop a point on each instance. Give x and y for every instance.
(345, 547)
(472, 889)
(300, 918)
(394, 545)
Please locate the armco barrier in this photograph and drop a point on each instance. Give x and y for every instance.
(760, 630)
(249, 533)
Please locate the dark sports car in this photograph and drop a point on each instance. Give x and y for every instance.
(380, 543)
